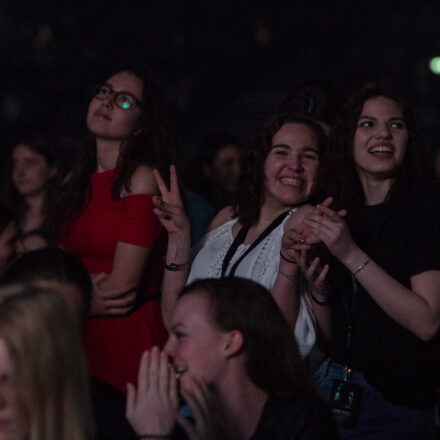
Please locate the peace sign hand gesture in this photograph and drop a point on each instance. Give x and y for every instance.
(169, 206)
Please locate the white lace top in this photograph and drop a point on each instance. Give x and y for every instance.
(260, 265)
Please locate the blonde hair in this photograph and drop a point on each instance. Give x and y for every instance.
(49, 377)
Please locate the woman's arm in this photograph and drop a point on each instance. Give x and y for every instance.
(417, 309)
(171, 213)
(285, 290)
(319, 290)
(128, 262)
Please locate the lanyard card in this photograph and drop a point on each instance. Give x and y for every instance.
(345, 401)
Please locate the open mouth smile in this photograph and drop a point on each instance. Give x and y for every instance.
(291, 181)
(387, 149)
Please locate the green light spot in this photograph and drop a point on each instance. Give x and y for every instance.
(434, 65)
(126, 105)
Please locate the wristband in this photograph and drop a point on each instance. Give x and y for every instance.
(173, 267)
(317, 301)
(286, 259)
(361, 266)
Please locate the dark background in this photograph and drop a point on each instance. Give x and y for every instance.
(224, 65)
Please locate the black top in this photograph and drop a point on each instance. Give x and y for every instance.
(403, 242)
(293, 418)
(290, 418)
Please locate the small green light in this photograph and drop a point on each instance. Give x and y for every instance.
(126, 105)
(434, 65)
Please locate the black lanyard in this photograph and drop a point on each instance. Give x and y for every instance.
(350, 303)
(239, 239)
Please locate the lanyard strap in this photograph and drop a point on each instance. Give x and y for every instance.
(239, 239)
(350, 302)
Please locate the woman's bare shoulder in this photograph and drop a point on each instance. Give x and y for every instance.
(142, 181)
(221, 218)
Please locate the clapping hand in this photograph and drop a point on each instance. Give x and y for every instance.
(331, 228)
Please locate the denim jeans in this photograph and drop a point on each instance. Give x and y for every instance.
(378, 419)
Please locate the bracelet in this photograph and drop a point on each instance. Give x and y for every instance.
(146, 436)
(317, 301)
(173, 267)
(361, 266)
(291, 278)
(286, 259)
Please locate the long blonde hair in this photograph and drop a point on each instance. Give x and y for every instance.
(49, 377)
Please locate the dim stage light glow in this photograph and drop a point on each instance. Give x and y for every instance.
(434, 65)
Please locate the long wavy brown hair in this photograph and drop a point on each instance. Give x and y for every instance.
(249, 197)
(152, 142)
(340, 178)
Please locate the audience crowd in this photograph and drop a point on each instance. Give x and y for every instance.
(286, 290)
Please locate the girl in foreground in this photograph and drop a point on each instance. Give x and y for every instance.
(381, 308)
(43, 381)
(253, 239)
(240, 371)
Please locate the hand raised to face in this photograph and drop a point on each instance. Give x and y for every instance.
(151, 407)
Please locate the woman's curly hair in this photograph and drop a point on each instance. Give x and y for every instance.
(340, 178)
(249, 196)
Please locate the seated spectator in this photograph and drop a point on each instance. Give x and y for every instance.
(215, 171)
(43, 393)
(239, 370)
(34, 184)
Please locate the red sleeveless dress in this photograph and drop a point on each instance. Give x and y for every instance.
(114, 345)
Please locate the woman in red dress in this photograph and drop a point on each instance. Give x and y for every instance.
(108, 221)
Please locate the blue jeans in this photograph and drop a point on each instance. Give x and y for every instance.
(378, 419)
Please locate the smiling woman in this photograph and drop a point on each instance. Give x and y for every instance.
(253, 238)
(240, 371)
(381, 307)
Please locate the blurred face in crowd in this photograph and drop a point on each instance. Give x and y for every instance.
(8, 428)
(196, 345)
(107, 120)
(32, 242)
(10, 245)
(291, 166)
(30, 171)
(380, 140)
(225, 169)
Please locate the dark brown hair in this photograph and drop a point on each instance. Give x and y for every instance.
(340, 177)
(43, 145)
(273, 362)
(152, 142)
(250, 193)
